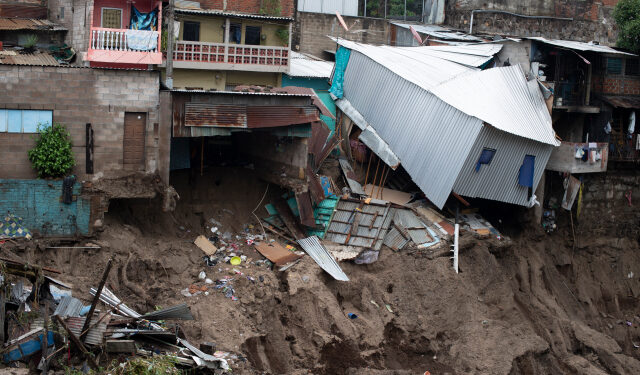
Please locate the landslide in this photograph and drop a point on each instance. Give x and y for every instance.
(531, 304)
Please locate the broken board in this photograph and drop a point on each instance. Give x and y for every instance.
(394, 196)
(205, 245)
(276, 253)
(350, 175)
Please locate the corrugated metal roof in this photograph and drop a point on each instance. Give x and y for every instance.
(367, 234)
(215, 12)
(37, 59)
(439, 32)
(29, 24)
(303, 66)
(622, 101)
(431, 138)
(69, 306)
(411, 63)
(395, 239)
(579, 46)
(503, 98)
(321, 255)
(239, 92)
(499, 179)
(180, 311)
(95, 334)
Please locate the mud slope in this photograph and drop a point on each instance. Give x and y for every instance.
(534, 305)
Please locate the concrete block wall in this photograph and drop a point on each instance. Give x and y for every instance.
(311, 30)
(38, 203)
(78, 96)
(592, 19)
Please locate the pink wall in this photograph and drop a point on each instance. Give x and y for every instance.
(142, 5)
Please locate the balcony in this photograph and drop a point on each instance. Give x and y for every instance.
(563, 158)
(203, 55)
(124, 46)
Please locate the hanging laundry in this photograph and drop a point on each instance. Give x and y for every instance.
(143, 21)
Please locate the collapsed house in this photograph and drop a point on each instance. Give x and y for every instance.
(478, 133)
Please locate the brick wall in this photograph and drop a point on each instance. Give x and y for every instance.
(616, 85)
(79, 96)
(592, 19)
(38, 203)
(249, 6)
(311, 30)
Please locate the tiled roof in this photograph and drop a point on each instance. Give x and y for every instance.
(29, 24)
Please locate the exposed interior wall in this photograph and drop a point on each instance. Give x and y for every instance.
(78, 96)
(38, 203)
(592, 19)
(212, 29)
(311, 30)
(142, 5)
(515, 53)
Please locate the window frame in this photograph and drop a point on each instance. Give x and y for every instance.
(493, 155)
(4, 128)
(184, 29)
(622, 64)
(111, 8)
(246, 33)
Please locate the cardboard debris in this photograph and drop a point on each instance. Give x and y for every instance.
(205, 245)
(276, 253)
(394, 196)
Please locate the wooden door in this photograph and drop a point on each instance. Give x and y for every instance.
(133, 147)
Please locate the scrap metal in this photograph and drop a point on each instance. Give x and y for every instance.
(322, 257)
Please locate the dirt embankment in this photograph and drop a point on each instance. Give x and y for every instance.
(535, 305)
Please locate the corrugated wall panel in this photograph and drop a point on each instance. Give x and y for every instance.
(432, 143)
(499, 179)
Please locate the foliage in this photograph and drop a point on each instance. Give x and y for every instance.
(271, 8)
(627, 17)
(283, 35)
(395, 8)
(156, 365)
(163, 41)
(52, 155)
(31, 42)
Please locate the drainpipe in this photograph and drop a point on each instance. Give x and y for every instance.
(512, 14)
(405, 10)
(169, 69)
(365, 8)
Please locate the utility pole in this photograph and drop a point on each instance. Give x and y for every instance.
(405, 10)
(169, 69)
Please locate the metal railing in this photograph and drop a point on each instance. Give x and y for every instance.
(117, 40)
(231, 53)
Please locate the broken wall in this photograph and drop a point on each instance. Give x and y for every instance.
(80, 96)
(311, 31)
(592, 19)
(39, 203)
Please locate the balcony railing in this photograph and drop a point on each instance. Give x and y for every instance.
(124, 46)
(242, 57)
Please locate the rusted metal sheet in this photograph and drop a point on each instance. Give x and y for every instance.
(319, 133)
(622, 101)
(306, 209)
(40, 59)
(369, 231)
(272, 116)
(29, 24)
(23, 11)
(216, 115)
(315, 187)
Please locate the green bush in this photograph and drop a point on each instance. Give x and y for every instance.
(52, 155)
(627, 17)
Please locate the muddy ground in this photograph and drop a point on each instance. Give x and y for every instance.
(532, 303)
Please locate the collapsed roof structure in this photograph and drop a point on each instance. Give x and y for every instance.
(455, 128)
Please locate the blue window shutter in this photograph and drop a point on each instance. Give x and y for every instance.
(485, 157)
(14, 121)
(526, 171)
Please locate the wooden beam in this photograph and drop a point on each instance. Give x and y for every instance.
(96, 298)
(78, 343)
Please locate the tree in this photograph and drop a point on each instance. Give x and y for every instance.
(627, 16)
(52, 155)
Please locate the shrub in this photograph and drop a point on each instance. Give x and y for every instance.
(627, 17)
(52, 155)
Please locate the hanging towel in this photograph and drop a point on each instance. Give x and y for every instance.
(142, 40)
(143, 21)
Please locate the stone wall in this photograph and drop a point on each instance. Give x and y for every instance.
(78, 96)
(38, 203)
(311, 31)
(592, 19)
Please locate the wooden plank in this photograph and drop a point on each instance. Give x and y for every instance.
(120, 346)
(288, 219)
(205, 245)
(276, 253)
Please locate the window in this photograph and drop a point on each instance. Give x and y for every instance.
(112, 18)
(614, 65)
(527, 169)
(252, 35)
(191, 31)
(235, 33)
(23, 121)
(632, 67)
(485, 157)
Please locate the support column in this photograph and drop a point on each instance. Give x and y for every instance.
(227, 26)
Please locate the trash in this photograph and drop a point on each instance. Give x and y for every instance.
(276, 253)
(27, 348)
(214, 229)
(367, 257)
(374, 303)
(202, 275)
(629, 324)
(549, 221)
(178, 312)
(352, 316)
(205, 245)
(388, 308)
(235, 261)
(630, 275)
(305, 278)
(208, 281)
